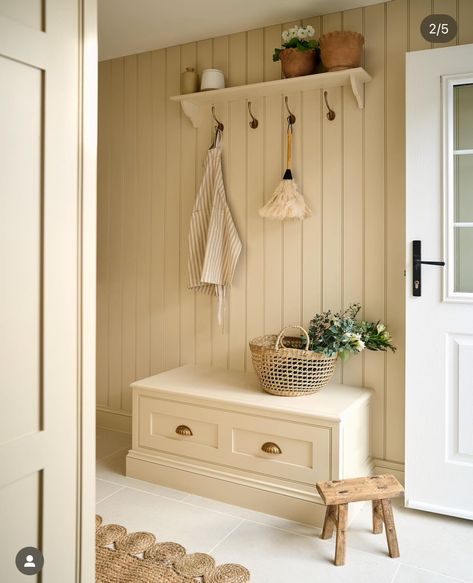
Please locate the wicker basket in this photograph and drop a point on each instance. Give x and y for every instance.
(290, 372)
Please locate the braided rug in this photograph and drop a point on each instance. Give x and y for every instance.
(136, 557)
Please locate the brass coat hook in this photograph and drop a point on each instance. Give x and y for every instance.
(330, 113)
(291, 118)
(254, 122)
(220, 125)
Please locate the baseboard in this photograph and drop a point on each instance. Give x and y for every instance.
(389, 467)
(113, 419)
(232, 487)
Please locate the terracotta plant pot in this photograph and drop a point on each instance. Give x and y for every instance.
(297, 63)
(341, 50)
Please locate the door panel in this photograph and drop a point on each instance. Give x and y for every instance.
(20, 247)
(41, 310)
(19, 504)
(439, 323)
(27, 12)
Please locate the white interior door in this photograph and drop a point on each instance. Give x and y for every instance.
(439, 321)
(42, 319)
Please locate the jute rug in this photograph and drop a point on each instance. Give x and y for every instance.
(138, 558)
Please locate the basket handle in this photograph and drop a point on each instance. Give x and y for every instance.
(279, 341)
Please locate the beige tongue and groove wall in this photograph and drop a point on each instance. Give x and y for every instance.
(350, 170)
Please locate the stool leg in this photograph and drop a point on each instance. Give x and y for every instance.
(341, 534)
(377, 517)
(329, 522)
(390, 528)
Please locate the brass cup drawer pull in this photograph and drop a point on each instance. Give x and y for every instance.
(270, 447)
(184, 430)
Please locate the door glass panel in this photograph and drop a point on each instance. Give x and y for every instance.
(463, 180)
(463, 116)
(464, 259)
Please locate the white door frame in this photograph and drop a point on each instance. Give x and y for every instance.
(87, 301)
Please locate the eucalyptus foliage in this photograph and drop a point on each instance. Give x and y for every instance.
(341, 333)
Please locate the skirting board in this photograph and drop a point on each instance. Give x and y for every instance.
(113, 419)
(235, 489)
(388, 467)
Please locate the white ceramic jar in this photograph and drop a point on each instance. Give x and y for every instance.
(212, 79)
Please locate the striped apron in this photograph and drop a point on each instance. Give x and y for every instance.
(214, 245)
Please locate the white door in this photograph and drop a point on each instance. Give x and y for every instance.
(43, 211)
(439, 301)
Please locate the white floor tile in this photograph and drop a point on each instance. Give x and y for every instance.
(109, 442)
(408, 574)
(276, 556)
(434, 549)
(197, 529)
(105, 489)
(436, 543)
(112, 469)
(253, 516)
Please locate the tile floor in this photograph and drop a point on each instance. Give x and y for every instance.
(434, 549)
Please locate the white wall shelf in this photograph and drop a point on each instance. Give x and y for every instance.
(194, 103)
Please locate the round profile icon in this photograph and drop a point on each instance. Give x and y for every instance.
(29, 560)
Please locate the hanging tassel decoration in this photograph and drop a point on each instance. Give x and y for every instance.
(287, 202)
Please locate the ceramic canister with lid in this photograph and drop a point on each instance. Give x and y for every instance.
(212, 79)
(189, 81)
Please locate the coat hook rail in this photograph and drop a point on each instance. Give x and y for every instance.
(330, 113)
(254, 122)
(291, 118)
(220, 125)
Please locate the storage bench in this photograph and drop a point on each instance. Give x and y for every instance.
(215, 433)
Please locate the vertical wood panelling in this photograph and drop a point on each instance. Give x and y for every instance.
(115, 243)
(272, 126)
(172, 313)
(103, 231)
(374, 185)
(220, 55)
(130, 230)
(465, 21)
(311, 182)
(351, 172)
(143, 202)
(236, 195)
(417, 11)
(332, 190)
(353, 202)
(396, 47)
(187, 194)
(292, 230)
(446, 7)
(157, 242)
(254, 198)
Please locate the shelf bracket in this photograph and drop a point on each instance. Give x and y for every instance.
(358, 89)
(192, 111)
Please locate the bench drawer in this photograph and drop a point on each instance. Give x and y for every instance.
(294, 451)
(179, 428)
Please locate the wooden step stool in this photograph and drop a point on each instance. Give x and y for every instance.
(338, 493)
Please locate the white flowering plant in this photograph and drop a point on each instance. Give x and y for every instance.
(298, 38)
(343, 334)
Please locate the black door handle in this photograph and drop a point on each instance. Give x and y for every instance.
(417, 267)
